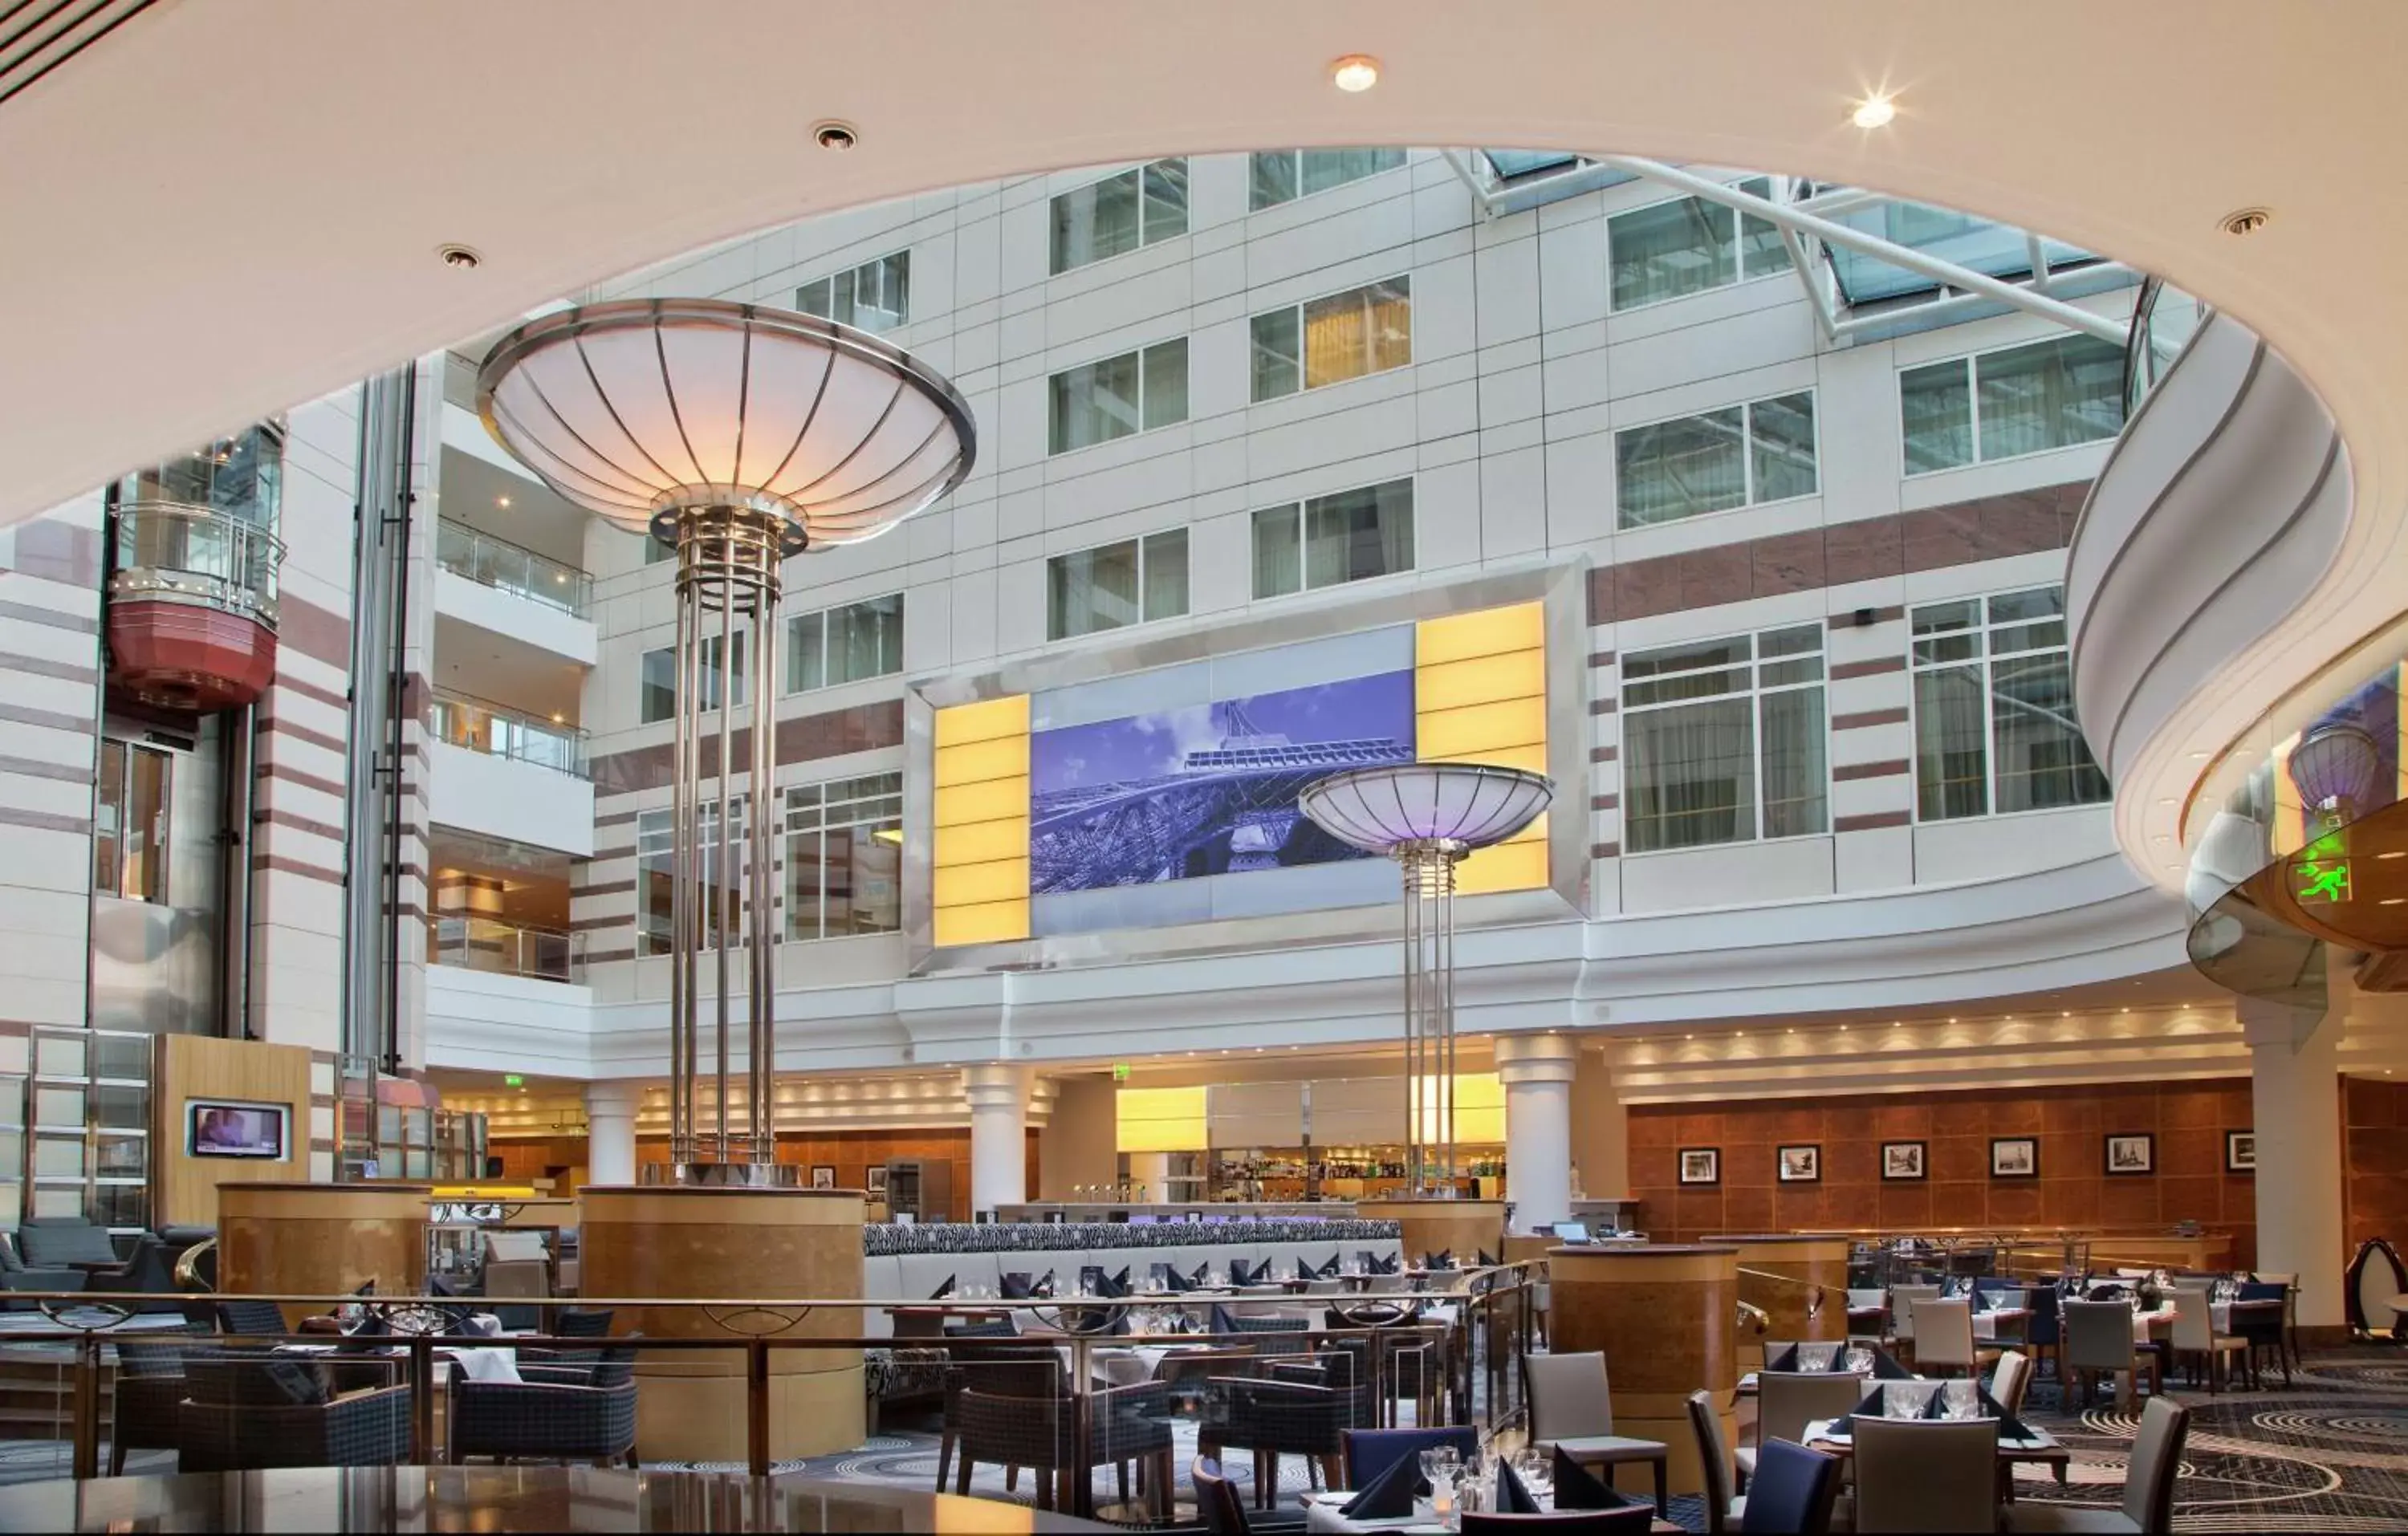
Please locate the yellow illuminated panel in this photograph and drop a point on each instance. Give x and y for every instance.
(1159, 1119)
(1479, 696)
(979, 860)
(2289, 832)
(1478, 1109)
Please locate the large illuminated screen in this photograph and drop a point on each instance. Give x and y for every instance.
(1205, 788)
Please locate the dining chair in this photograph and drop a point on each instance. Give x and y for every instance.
(2149, 1478)
(556, 1412)
(1944, 1336)
(1123, 1424)
(146, 1401)
(1273, 1418)
(1364, 1453)
(1631, 1520)
(2044, 1330)
(1902, 1311)
(1792, 1493)
(1927, 1476)
(1723, 1510)
(2290, 1283)
(2098, 1342)
(1863, 1300)
(1571, 1409)
(2195, 1341)
(1223, 1511)
(2258, 1322)
(1788, 1400)
(2010, 1381)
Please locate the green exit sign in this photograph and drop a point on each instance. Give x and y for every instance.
(2320, 881)
(1120, 1071)
(512, 1080)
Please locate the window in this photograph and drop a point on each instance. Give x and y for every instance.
(1993, 722)
(875, 296)
(1119, 213)
(1329, 340)
(1135, 392)
(1283, 176)
(1724, 742)
(1668, 250)
(129, 834)
(1736, 456)
(844, 644)
(2052, 393)
(1350, 536)
(844, 858)
(659, 700)
(1129, 582)
(655, 857)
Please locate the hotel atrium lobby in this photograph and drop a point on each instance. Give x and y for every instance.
(1259, 769)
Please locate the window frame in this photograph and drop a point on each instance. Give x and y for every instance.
(1747, 457)
(156, 855)
(1983, 628)
(854, 271)
(786, 685)
(1187, 600)
(1970, 362)
(1054, 398)
(1299, 510)
(740, 700)
(1187, 222)
(1756, 693)
(791, 807)
(1403, 282)
(1295, 158)
(1740, 275)
(659, 822)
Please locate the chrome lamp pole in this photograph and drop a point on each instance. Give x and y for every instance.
(739, 437)
(1429, 817)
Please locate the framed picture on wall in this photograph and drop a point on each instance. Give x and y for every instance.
(1903, 1161)
(2241, 1152)
(2131, 1152)
(1701, 1164)
(1798, 1164)
(2014, 1157)
(874, 1178)
(822, 1176)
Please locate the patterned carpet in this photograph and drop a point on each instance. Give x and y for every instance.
(2330, 1453)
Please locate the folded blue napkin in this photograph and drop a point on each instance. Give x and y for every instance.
(1391, 1495)
(1511, 1497)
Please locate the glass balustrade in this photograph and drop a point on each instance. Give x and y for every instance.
(498, 731)
(197, 554)
(505, 566)
(2163, 322)
(507, 949)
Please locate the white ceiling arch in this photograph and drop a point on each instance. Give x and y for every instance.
(220, 209)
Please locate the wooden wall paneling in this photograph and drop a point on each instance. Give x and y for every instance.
(184, 1188)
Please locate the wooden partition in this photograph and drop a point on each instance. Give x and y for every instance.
(1783, 1275)
(1466, 1228)
(322, 1239)
(184, 1188)
(1662, 1314)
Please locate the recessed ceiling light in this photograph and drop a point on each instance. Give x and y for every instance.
(2248, 221)
(1355, 73)
(1875, 111)
(2392, 901)
(459, 258)
(2396, 852)
(1952, 1021)
(836, 136)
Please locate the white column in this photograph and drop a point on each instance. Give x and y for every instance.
(1537, 1071)
(2295, 1097)
(611, 1132)
(999, 1095)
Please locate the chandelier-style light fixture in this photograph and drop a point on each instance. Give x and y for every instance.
(738, 436)
(1429, 817)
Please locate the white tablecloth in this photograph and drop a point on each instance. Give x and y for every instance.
(1320, 1515)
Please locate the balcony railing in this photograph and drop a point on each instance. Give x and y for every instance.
(2163, 322)
(505, 566)
(507, 949)
(498, 731)
(192, 553)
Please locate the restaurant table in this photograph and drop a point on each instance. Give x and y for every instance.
(1320, 1517)
(502, 1498)
(2043, 1450)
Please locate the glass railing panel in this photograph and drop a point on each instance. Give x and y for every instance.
(507, 949)
(169, 549)
(2163, 322)
(498, 731)
(505, 567)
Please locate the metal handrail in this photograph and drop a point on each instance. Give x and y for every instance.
(491, 561)
(466, 941)
(508, 733)
(2148, 357)
(184, 551)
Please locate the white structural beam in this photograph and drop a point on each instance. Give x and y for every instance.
(1948, 274)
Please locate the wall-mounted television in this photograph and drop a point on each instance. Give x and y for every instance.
(224, 1128)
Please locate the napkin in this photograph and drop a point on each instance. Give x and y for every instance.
(1442, 1259)
(1329, 1270)
(944, 1290)
(2009, 1426)
(1043, 1287)
(1015, 1286)
(1784, 1362)
(1577, 1487)
(1202, 1271)
(1511, 1497)
(1170, 1278)
(1391, 1495)
(1839, 1361)
(1238, 1272)
(1121, 1280)
(1887, 1368)
(1222, 1321)
(1487, 1262)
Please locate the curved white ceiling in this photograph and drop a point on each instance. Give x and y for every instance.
(221, 210)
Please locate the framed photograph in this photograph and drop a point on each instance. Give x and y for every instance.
(1903, 1161)
(1798, 1164)
(2014, 1157)
(874, 1178)
(2131, 1152)
(1701, 1164)
(2241, 1152)
(822, 1176)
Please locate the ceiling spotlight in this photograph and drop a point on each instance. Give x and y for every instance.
(501, 501)
(1874, 113)
(460, 258)
(839, 136)
(1355, 73)
(2248, 221)
(2391, 900)
(2396, 852)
